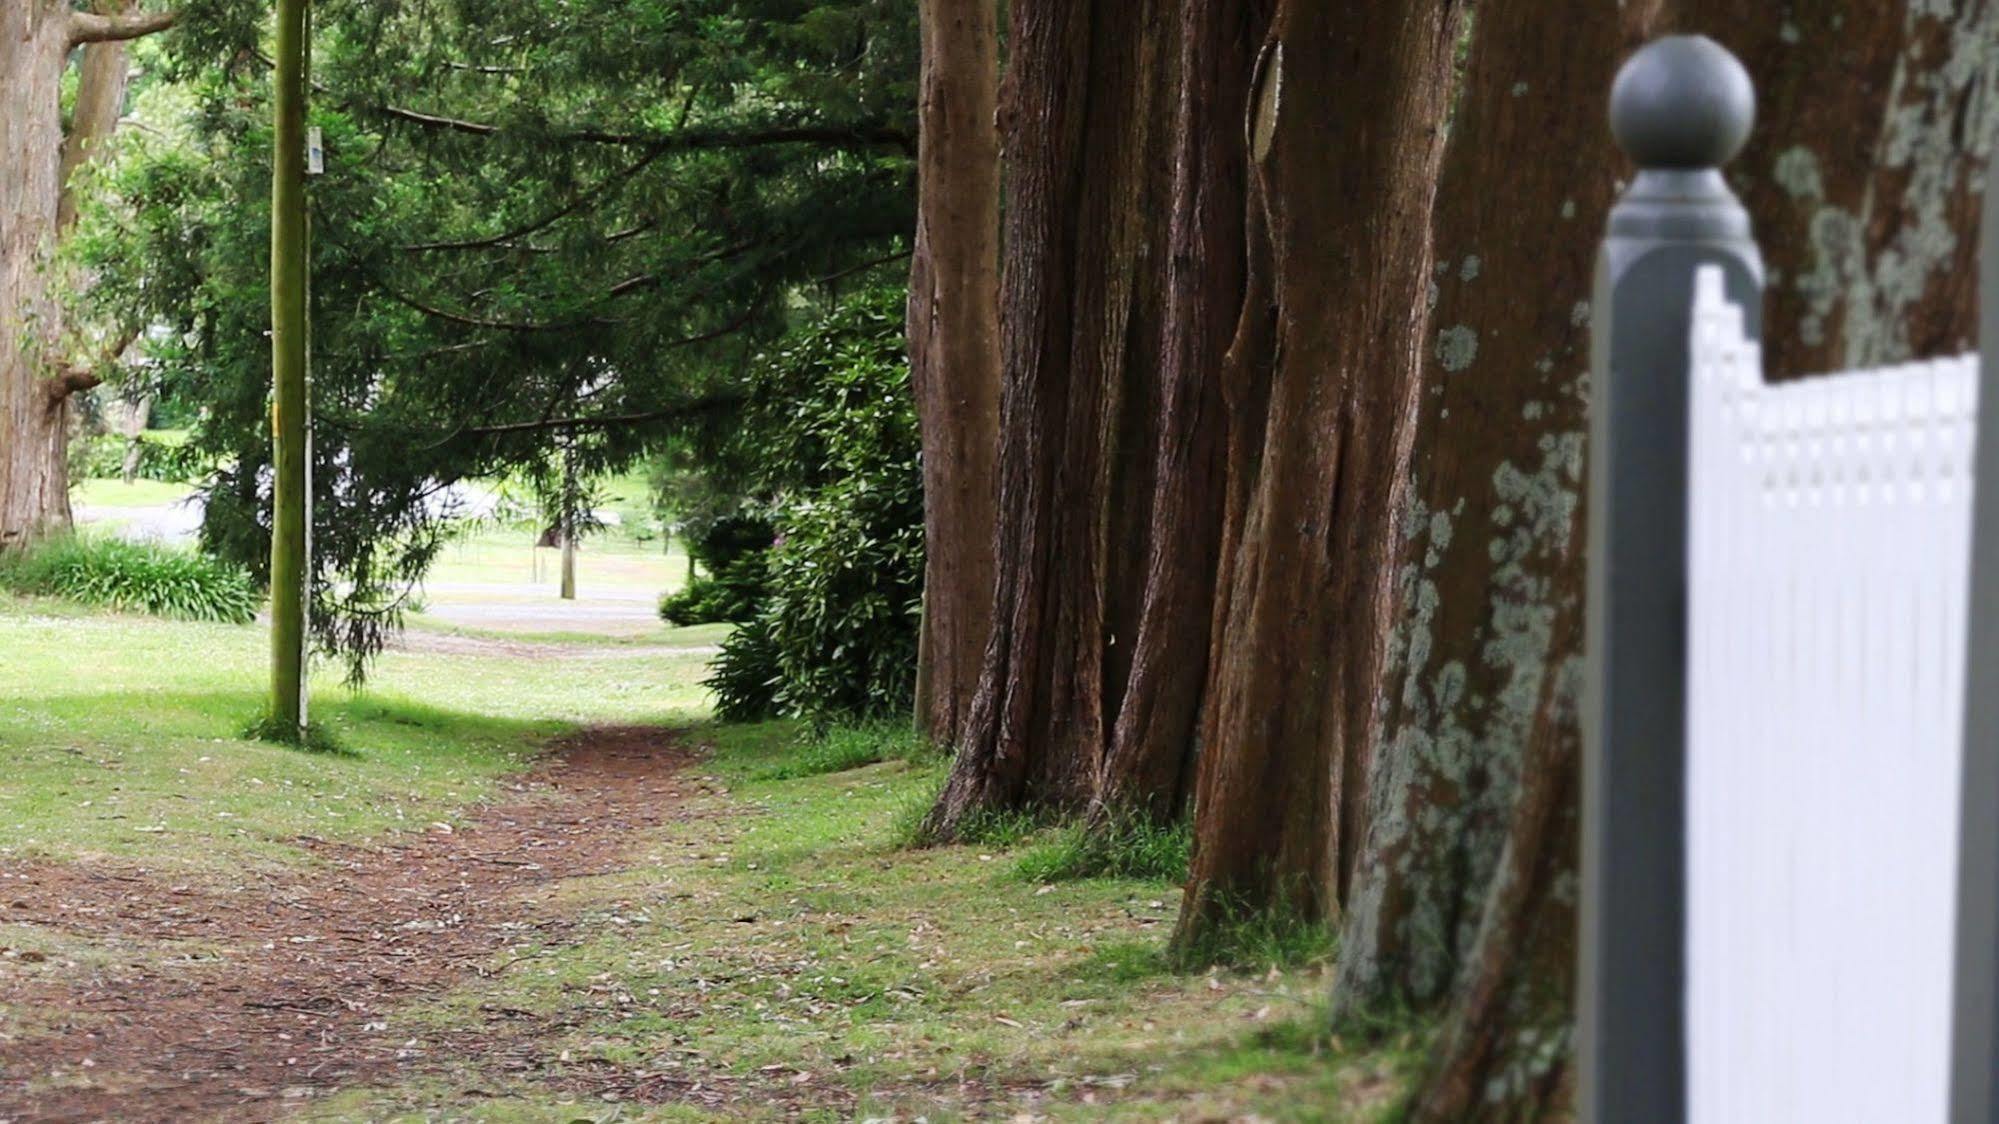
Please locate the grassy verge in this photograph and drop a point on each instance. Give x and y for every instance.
(772, 942)
(123, 736)
(777, 938)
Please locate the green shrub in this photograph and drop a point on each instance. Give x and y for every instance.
(734, 553)
(1120, 847)
(744, 675)
(135, 577)
(833, 431)
(845, 600)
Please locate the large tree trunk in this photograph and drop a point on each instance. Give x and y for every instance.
(38, 372)
(1088, 113)
(1863, 179)
(1489, 566)
(34, 420)
(954, 351)
(1148, 768)
(1346, 135)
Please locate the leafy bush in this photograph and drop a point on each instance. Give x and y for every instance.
(832, 428)
(732, 551)
(136, 577)
(845, 598)
(744, 674)
(102, 457)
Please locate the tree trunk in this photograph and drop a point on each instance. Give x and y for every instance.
(568, 522)
(1489, 565)
(954, 350)
(1089, 102)
(1148, 768)
(37, 162)
(1863, 178)
(100, 102)
(138, 415)
(1334, 324)
(34, 418)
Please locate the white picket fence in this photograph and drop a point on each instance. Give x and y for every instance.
(1829, 562)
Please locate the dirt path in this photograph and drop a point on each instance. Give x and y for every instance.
(282, 987)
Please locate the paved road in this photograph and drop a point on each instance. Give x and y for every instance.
(178, 523)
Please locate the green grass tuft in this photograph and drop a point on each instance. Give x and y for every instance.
(905, 830)
(851, 747)
(1001, 828)
(1120, 847)
(1256, 940)
(317, 737)
(135, 577)
(1127, 961)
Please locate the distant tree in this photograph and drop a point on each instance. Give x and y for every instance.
(1208, 362)
(1089, 688)
(45, 359)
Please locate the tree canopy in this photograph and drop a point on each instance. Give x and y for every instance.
(540, 226)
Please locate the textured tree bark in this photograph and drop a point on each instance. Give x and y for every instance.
(138, 415)
(1866, 173)
(1148, 769)
(1863, 180)
(34, 47)
(100, 102)
(37, 163)
(1342, 205)
(954, 351)
(1088, 109)
(1489, 568)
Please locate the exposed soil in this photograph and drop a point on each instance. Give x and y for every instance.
(247, 997)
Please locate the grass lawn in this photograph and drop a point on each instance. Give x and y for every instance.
(609, 561)
(772, 941)
(121, 735)
(490, 580)
(117, 493)
(781, 931)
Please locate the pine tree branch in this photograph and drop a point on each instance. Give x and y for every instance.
(575, 204)
(89, 376)
(863, 267)
(688, 140)
(94, 27)
(410, 302)
(692, 409)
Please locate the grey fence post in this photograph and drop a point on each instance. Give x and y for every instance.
(1681, 108)
(1974, 1095)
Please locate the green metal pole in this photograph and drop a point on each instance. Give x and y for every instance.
(288, 372)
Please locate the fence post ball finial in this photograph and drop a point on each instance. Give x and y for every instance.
(1682, 102)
